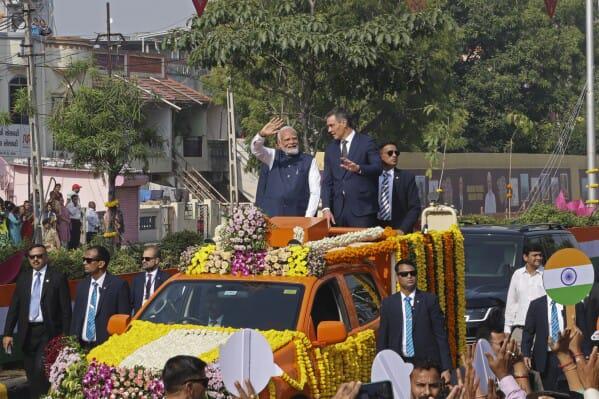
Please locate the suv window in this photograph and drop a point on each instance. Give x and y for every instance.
(328, 305)
(364, 295)
(555, 242)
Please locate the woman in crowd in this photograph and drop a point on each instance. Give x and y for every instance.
(14, 222)
(27, 221)
(50, 236)
(63, 223)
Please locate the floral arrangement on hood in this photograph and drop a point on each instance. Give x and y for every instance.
(245, 230)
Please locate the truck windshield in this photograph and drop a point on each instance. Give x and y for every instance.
(238, 304)
(491, 257)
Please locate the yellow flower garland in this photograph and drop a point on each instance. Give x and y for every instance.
(460, 266)
(298, 261)
(439, 267)
(199, 260)
(111, 204)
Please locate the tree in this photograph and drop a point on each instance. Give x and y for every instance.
(102, 126)
(301, 58)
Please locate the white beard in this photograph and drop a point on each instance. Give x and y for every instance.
(292, 151)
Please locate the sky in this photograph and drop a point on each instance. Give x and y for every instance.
(88, 17)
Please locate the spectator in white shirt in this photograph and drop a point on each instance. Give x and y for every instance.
(75, 213)
(525, 286)
(289, 182)
(93, 221)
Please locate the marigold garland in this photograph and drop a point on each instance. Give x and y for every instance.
(357, 254)
(111, 204)
(439, 268)
(460, 267)
(450, 314)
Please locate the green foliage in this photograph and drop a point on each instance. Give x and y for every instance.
(174, 244)
(124, 262)
(286, 58)
(103, 126)
(68, 261)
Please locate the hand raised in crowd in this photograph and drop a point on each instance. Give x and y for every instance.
(576, 341)
(272, 127)
(348, 390)
(501, 362)
(471, 383)
(456, 390)
(588, 370)
(350, 165)
(562, 345)
(248, 393)
(492, 389)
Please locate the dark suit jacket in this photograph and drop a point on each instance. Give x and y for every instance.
(537, 327)
(55, 305)
(114, 299)
(405, 205)
(361, 189)
(430, 338)
(138, 285)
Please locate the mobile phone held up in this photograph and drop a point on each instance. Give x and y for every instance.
(376, 390)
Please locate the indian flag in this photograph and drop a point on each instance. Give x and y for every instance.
(568, 276)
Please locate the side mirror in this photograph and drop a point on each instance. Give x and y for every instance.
(330, 332)
(118, 323)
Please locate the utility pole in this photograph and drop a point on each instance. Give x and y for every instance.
(37, 172)
(233, 193)
(109, 64)
(590, 114)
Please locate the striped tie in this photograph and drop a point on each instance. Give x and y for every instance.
(409, 338)
(554, 322)
(385, 211)
(36, 294)
(90, 328)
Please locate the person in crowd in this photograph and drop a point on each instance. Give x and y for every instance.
(425, 380)
(56, 195)
(525, 286)
(63, 223)
(93, 222)
(74, 210)
(99, 296)
(50, 214)
(35, 27)
(352, 166)
(45, 30)
(114, 221)
(289, 182)
(27, 221)
(399, 204)
(14, 216)
(75, 189)
(546, 319)
(144, 284)
(184, 377)
(50, 236)
(40, 309)
(412, 324)
(4, 233)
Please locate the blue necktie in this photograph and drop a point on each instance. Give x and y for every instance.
(90, 328)
(36, 295)
(409, 338)
(554, 322)
(385, 212)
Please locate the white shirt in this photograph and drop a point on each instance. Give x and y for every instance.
(349, 139)
(560, 317)
(391, 173)
(40, 317)
(267, 155)
(100, 282)
(412, 297)
(93, 221)
(74, 211)
(524, 287)
(152, 275)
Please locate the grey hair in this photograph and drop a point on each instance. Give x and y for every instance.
(283, 129)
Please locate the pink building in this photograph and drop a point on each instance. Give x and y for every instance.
(14, 187)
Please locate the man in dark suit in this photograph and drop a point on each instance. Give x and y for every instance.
(545, 319)
(41, 309)
(412, 323)
(351, 168)
(145, 284)
(99, 296)
(399, 204)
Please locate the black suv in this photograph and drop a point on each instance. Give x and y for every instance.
(492, 255)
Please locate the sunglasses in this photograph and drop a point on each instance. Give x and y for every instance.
(392, 152)
(406, 274)
(36, 256)
(147, 258)
(89, 260)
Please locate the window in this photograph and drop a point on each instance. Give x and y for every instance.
(328, 305)
(555, 242)
(192, 146)
(230, 303)
(364, 295)
(188, 211)
(147, 223)
(14, 86)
